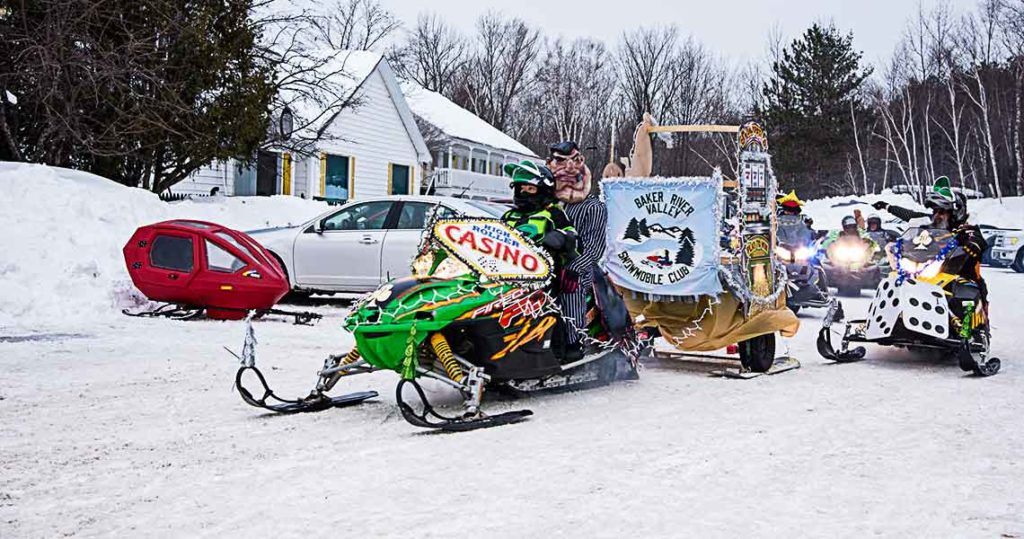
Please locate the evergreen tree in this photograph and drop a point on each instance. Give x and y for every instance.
(144, 91)
(685, 253)
(632, 230)
(807, 107)
(644, 231)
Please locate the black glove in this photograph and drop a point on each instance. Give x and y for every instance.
(880, 205)
(971, 243)
(569, 281)
(555, 240)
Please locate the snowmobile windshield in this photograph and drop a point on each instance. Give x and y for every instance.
(923, 244)
(794, 234)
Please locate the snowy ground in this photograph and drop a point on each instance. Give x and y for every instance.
(131, 426)
(121, 426)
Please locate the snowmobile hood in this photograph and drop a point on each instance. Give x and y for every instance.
(403, 302)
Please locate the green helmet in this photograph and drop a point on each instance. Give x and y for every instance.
(529, 173)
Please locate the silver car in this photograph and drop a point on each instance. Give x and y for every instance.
(359, 246)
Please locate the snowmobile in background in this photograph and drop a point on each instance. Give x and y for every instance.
(851, 264)
(474, 315)
(797, 248)
(922, 305)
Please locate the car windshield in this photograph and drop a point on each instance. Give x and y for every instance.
(488, 208)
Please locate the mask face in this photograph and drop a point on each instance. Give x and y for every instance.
(572, 177)
(940, 219)
(528, 202)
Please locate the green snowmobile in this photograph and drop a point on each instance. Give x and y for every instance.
(475, 314)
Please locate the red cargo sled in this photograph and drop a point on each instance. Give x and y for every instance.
(195, 265)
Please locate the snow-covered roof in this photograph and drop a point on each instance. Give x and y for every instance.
(457, 122)
(338, 74)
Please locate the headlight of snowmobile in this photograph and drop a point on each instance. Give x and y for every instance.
(931, 270)
(784, 254)
(1014, 240)
(849, 253)
(909, 266)
(803, 253)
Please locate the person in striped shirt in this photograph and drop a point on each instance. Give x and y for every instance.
(589, 217)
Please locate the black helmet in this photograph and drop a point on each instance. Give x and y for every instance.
(874, 219)
(942, 197)
(849, 222)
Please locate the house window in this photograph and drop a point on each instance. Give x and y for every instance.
(336, 177)
(399, 184)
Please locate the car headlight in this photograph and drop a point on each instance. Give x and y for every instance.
(1014, 240)
(784, 254)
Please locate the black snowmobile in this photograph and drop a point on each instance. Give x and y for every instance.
(797, 247)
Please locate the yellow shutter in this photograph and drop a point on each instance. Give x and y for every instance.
(286, 173)
(351, 178)
(412, 178)
(323, 173)
(391, 170)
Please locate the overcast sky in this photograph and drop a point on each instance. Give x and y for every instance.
(735, 29)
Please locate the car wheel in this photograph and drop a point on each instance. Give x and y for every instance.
(1018, 263)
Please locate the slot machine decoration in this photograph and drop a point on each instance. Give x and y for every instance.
(757, 187)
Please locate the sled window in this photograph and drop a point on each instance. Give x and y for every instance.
(218, 259)
(172, 252)
(227, 237)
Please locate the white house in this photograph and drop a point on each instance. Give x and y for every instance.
(370, 149)
(467, 153)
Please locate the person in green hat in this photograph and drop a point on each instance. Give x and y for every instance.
(536, 213)
(949, 212)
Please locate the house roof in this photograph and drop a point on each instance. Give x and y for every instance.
(457, 122)
(342, 73)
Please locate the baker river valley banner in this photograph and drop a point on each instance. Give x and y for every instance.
(663, 235)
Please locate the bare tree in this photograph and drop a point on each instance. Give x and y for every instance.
(645, 60)
(979, 37)
(432, 55)
(501, 69)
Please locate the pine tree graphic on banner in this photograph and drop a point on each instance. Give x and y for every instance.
(632, 230)
(684, 255)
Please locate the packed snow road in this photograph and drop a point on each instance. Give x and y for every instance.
(131, 427)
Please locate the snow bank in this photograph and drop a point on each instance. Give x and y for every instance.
(63, 230)
(828, 212)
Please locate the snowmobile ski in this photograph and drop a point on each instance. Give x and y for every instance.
(175, 311)
(167, 310)
(315, 402)
(475, 421)
(781, 364)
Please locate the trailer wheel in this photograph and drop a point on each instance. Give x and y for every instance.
(758, 353)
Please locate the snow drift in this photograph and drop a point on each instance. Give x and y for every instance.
(828, 212)
(60, 256)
